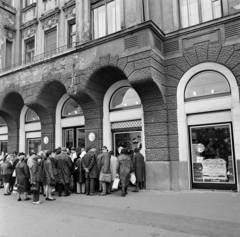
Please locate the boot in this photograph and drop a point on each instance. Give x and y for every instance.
(123, 193)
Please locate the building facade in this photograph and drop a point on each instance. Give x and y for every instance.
(161, 75)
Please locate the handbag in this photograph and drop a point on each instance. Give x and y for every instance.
(133, 178)
(52, 182)
(115, 183)
(105, 177)
(34, 188)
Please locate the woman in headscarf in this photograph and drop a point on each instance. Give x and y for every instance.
(48, 176)
(7, 170)
(23, 175)
(124, 168)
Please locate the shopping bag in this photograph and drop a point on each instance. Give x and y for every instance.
(133, 178)
(115, 183)
(15, 189)
(105, 177)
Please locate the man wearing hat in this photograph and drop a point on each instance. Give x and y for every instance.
(90, 165)
(63, 165)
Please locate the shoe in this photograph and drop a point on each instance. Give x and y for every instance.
(28, 198)
(66, 195)
(59, 195)
(6, 194)
(50, 199)
(135, 191)
(19, 199)
(37, 203)
(102, 194)
(44, 195)
(87, 194)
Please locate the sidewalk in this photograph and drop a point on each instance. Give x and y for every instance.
(147, 213)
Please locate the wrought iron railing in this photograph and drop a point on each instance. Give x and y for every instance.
(41, 57)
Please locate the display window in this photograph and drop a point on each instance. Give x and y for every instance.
(74, 137)
(4, 146)
(127, 140)
(34, 144)
(212, 156)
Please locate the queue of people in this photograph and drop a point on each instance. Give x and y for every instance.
(78, 171)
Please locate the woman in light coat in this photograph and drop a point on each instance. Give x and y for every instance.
(113, 167)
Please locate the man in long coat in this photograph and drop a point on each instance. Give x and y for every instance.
(90, 165)
(138, 168)
(63, 165)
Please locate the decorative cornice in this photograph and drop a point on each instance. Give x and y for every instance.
(69, 9)
(29, 23)
(8, 7)
(29, 29)
(29, 7)
(10, 32)
(50, 19)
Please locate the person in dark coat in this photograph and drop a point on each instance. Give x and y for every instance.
(80, 174)
(124, 168)
(90, 165)
(104, 167)
(63, 165)
(23, 175)
(37, 177)
(138, 168)
(48, 176)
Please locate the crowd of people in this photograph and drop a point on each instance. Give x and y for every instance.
(65, 172)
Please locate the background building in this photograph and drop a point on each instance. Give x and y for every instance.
(162, 75)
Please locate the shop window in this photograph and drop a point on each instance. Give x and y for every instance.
(212, 154)
(71, 108)
(30, 50)
(4, 146)
(106, 18)
(2, 122)
(206, 85)
(8, 56)
(125, 98)
(31, 116)
(72, 33)
(29, 2)
(34, 144)
(194, 12)
(51, 40)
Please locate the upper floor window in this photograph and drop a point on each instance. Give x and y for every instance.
(72, 33)
(207, 84)
(8, 57)
(29, 2)
(194, 12)
(71, 108)
(30, 50)
(2, 122)
(31, 116)
(50, 40)
(106, 18)
(125, 98)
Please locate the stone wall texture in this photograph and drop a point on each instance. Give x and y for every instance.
(155, 80)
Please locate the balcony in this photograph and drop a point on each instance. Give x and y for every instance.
(39, 58)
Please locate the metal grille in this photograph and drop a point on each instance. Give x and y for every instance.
(157, 43)
(171, 46)
(232, 30)
(127, 124)
(131, 42)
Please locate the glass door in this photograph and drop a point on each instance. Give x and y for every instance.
(212, 157)
(34, 144)
(80, 137)
(74, 137)
(4, 145)
(69, 138)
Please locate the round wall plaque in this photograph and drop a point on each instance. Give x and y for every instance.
(91, 136)
(46, 140)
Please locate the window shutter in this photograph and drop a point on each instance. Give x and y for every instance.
(51, 40)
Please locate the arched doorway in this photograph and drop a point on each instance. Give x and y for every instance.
(208, 104)
(123, 118)
(30, 131)
(70, 131)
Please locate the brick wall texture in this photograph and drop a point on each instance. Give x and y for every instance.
(154, 79)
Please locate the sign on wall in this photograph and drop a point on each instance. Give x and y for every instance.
(92, 138)
(46, 142)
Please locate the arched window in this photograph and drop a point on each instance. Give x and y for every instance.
(2, 122)
(206, 85)
(31, 116)
(125, 98)
(71, 108)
